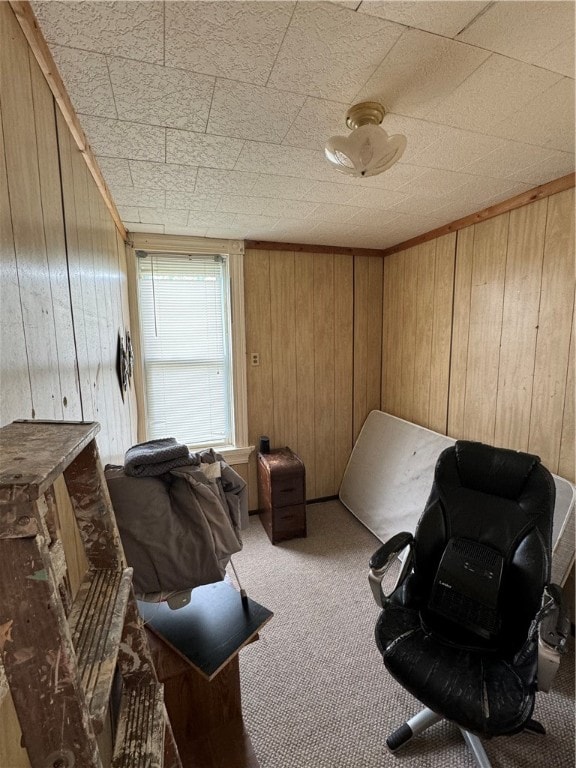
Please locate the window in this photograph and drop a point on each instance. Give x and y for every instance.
(192, 346)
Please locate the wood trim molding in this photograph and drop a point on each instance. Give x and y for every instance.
(29, 25)
(264, 245)
(524, 198)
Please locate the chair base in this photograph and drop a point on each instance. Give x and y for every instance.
(426, 719)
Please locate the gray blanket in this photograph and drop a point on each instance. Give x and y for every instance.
(155, 457)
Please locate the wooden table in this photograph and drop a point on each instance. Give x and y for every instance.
(195, 649)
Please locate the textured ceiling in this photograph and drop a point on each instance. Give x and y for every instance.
(209, 118)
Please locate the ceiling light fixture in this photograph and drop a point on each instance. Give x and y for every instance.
(368, 150)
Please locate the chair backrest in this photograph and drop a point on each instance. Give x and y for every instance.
(499, 502)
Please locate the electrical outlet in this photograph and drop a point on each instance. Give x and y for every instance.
(255, 358)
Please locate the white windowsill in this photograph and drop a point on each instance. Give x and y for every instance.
(231, 454)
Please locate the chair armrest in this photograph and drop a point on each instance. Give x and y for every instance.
(553, 632)
(382, 559)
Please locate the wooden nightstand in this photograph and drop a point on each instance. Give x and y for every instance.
(282, 494)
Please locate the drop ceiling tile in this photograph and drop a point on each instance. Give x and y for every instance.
(417, 203)
(327, 192)
(252, 222)
(440, 17)
(283, 187)
(87, 80)
(158, 95)
(163, 176)
(130, 28)
(419, 133)
(129, 213)
(529, 31)
(252, 112)
(436, 183)
(370, 221)
(420, 71)
(150, 229)
(316, 122)
(238, 40)
(213, 181)
(284, 161)
(264, 206)
(164, 216)
(376, 198)
(188, 148)
(190, 231)
(456, 149)
(352, 4)
(547, 121)
(116, 171)
(561, 58)
(496, 90)
(326, 213)
(512, 159)
(129, 196)
(117, 138)
(210, 219)
(477, 196)
(553, 167)
(330, 50)
(191, 201)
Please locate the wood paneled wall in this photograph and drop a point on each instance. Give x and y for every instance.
(478, 332)
(63, 276)
(315, 321)
(63, 295)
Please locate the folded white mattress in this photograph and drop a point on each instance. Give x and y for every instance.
(389, 476)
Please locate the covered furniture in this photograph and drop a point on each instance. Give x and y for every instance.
(461, 630)
(179, 517)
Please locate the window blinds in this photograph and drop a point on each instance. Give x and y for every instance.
(184, 319)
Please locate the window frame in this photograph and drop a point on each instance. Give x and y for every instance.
(239, 451)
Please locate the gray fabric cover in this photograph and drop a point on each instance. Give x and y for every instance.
(178, 530)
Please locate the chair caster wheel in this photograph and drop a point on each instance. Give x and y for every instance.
(399, 737)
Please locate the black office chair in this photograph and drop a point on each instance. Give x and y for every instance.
(462, 628)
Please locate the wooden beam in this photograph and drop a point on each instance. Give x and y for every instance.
(524, 198)
(265, 245)
(37, 43)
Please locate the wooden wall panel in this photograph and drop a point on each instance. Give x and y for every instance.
(460, 328)
(16, 399)
(54, 236)
(324, 375)
(424, 306)
(407, 339)
(344, 303)
(258, 339)
(391, 336)
(282, 329)
(554, 331)
(485, 328)
(445, 257)
(520, 323)
(20, 146)
(301, 315)
(305, 369)
(502, 360)
(367, 337)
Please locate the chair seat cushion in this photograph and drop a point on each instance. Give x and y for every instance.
(478, 690)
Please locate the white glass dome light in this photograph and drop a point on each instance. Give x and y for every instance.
(368, 150)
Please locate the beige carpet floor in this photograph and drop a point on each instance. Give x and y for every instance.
(315, 692)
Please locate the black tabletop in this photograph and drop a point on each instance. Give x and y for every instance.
(211, 628)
